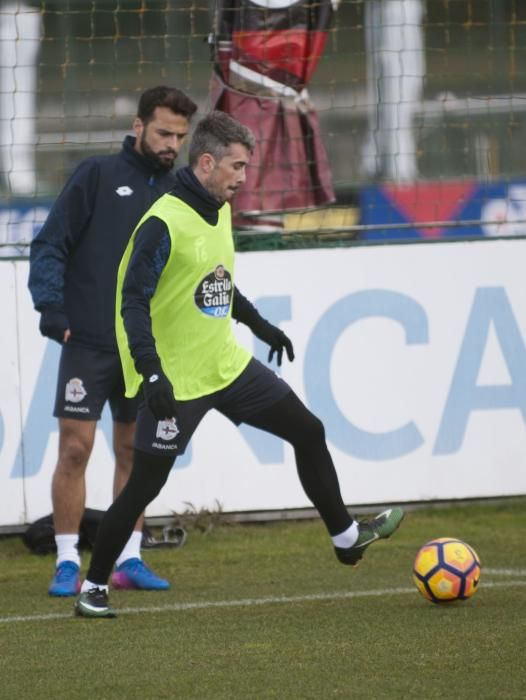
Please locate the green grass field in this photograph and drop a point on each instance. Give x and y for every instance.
(266, 611)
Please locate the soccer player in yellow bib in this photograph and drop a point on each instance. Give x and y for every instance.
(176, 299)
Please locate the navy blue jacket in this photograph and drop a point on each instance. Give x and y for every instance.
(75, 257)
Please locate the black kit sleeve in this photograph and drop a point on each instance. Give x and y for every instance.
(150, 254)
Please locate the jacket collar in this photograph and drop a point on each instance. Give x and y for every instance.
(142, 162)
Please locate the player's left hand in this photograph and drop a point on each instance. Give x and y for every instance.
(277, 340)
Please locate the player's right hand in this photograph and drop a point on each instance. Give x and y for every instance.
(54, 324)
(159, 395)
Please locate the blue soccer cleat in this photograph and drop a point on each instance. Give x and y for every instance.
(133, 573)
(66, 581)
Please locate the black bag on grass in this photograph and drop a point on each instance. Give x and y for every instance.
(40, 535)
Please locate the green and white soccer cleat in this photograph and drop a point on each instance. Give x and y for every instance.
(369, 531)
(94, 603)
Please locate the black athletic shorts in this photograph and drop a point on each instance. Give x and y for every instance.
(87, 378)
(256, 388)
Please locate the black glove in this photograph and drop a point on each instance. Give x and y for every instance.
(158, 392)
(273, 336)
(53, 324)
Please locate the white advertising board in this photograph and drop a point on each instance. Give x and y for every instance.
(12, 507)
(413, 356)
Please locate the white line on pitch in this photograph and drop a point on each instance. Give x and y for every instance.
(504, 572)
(249, 602)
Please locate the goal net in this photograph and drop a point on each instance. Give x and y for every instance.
(374, 118)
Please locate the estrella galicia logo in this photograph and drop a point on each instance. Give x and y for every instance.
(214, 293)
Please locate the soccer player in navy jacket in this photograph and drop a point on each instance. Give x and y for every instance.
(73, 272)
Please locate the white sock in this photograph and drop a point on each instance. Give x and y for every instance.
(67, 548)
(132, 548)
(346, 538)
(88, 585)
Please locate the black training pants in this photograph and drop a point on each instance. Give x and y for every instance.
(288, 419)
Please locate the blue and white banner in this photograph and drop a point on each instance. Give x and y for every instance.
(413, 356)
(448, 209)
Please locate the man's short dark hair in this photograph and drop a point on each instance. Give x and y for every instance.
(163, 96)
(215, 133)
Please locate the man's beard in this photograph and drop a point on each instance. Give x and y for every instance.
(160, 163)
